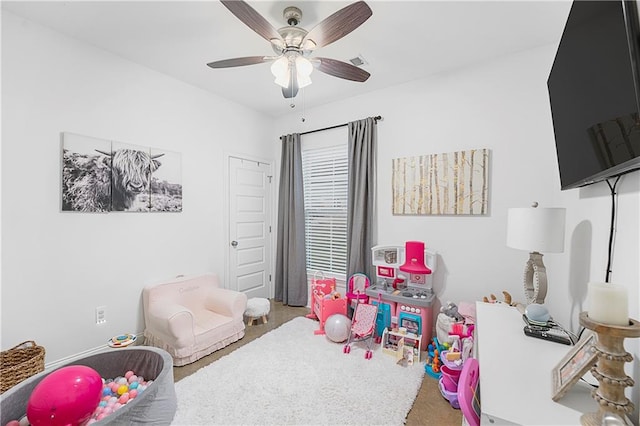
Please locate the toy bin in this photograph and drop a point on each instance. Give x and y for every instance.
(452, 397)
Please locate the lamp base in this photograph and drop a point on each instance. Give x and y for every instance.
(613, 405)
(535, 279)
(608, 419)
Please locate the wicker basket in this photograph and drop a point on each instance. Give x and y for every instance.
(19, 363)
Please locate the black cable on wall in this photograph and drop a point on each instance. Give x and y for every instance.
(612, 228)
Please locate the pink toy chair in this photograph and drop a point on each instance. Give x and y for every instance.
(356, 288)
(362, 327)
(469, 391)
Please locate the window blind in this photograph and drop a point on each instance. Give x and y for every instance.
(325, 173)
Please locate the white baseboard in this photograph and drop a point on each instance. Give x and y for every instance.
(60, 362)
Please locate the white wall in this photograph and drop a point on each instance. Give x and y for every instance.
(58, 267)
(502, 105)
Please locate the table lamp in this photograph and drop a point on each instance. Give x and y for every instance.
(536, 230)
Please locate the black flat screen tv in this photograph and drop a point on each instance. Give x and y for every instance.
(594, 90)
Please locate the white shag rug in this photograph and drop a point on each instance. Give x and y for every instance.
(290, 376)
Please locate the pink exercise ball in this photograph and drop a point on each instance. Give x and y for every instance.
(337, 328)
(67, 396)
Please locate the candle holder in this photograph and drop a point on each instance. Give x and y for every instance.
(613, 406)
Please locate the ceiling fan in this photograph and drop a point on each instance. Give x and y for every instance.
(293, 45)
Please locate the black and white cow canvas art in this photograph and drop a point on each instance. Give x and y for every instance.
(86, 174)
(166, 182)
(102, 176)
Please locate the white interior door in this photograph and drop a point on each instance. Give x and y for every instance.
(250, 227)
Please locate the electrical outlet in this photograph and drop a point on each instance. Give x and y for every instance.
(101, 315)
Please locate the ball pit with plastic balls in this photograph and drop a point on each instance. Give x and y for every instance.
(115, 394)
(118, 392)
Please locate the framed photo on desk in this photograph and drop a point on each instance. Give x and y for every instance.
(574, 365)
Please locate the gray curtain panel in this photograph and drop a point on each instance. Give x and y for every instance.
(363, 139)
(291, 268)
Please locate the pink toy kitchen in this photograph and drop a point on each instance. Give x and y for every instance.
(403, 288)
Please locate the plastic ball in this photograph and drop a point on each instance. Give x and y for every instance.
(337, 328)
(122, 389)
(67, 396)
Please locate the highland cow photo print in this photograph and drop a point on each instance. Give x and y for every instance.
(86, 174)
(102, 176)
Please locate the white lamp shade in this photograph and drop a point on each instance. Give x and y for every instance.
(536, 229)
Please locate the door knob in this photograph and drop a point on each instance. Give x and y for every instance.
(234, 243)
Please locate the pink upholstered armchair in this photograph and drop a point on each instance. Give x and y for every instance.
(191, 317)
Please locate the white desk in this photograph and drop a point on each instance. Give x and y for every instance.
(515, 373)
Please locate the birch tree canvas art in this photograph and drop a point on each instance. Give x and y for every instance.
(454, 183)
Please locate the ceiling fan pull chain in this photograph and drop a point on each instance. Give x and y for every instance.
(304, 105)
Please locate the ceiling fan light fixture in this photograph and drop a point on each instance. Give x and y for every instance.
(280, 70)
(283, 68)
(308, 45)
(304, 68)
(293, 44)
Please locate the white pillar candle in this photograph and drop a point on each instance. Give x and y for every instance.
(608, 304)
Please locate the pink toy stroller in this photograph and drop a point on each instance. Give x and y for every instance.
(363, 327)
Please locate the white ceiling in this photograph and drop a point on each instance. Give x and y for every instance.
(402, 41)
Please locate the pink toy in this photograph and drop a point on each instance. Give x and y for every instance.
(414, 263)
(356, 288)
(67, 396)
(363, 327)
(450, 378)
(321, 306)
(467, 392)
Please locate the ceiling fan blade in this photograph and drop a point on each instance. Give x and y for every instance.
(252, 19)
(340, 69)
(239, 62)
(292, 90)
(339, 24)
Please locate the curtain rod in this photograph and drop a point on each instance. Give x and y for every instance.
(376, 118)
